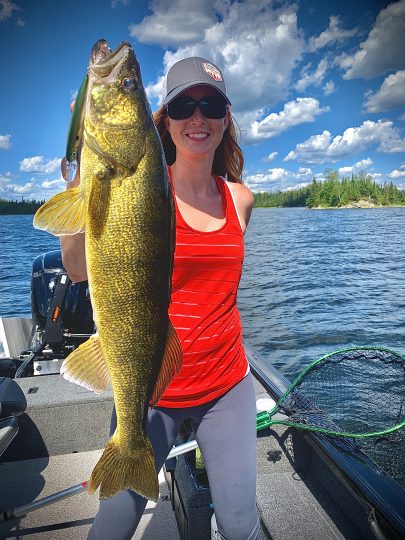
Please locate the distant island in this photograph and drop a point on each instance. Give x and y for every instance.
(12, 207)
(359, 191)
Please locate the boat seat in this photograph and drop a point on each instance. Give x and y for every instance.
(8, 430)
(12, 404)
(12, 398)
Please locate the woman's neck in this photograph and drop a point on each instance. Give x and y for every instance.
(192, 176)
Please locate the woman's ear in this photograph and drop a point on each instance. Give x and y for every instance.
(167, 123)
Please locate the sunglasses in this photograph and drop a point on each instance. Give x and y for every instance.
(213, 107)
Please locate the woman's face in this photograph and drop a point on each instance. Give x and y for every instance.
(197, 136)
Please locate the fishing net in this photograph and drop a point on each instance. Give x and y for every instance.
(354, 393)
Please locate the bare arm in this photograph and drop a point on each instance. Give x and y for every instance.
(73, 250)
(244, 202)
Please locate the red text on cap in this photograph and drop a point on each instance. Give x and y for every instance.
(212, 71)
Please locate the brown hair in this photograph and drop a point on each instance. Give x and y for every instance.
(228, 158)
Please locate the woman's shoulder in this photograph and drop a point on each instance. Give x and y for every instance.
(242, 192)
(243, 198)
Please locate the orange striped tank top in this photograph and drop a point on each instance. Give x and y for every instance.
(206, 275)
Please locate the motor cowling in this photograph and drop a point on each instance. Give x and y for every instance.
(75, 315)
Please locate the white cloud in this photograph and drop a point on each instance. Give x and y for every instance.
(391, 95)
(296, 112)
(383, 49)
(32, 189)
(276, 174)
(57, 184)
(333, 34)
(316, 78)
(10, 188)
(398, 173)
(256, 45)
(5, 142)
(279, 179)
(4, 181)
(271, 157)
(38, 164)
(163, 28)
(329, 88)
(322, 148)
(304, 172)
(361, 165)
(17, 188)
(6, 9)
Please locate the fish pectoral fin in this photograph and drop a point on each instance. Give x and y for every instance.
(63, 214)
(171, 364)
(87, 367)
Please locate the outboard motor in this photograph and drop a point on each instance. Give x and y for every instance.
(61, 310)
(61, 313)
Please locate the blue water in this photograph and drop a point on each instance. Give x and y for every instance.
(20, 243)
(318, 280)
(314, 280)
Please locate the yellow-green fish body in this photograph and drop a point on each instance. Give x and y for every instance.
(124, 205)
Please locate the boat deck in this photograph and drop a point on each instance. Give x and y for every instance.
(298, 495)
(69, 519)
(301, 491)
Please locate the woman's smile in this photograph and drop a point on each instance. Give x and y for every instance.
(198, 136)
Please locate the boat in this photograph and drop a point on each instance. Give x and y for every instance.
(309, 485)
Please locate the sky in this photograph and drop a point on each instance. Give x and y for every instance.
(314, 85)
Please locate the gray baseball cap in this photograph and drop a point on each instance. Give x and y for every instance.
(192, 72)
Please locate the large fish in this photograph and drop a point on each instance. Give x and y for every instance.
(125, 207)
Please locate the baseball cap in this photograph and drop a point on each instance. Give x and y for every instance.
(190, 72)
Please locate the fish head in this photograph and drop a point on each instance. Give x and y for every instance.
(118, 114)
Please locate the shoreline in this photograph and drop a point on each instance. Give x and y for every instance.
(362, 203)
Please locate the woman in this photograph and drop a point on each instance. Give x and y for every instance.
(214, 387)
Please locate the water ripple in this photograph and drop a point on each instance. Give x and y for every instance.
(313, 281)
(316, 281)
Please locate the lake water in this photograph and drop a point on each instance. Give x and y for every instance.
(314, 280)
(318, 280)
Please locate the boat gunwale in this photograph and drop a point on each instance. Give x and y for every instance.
(368, 489)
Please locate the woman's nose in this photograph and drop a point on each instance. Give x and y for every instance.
(197, 115)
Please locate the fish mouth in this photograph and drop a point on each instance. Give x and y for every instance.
(104, 62)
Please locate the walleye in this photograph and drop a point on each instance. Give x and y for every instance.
(124, 205)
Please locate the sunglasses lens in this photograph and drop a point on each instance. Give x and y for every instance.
(214, 107)
(181, 108)
(184, 107)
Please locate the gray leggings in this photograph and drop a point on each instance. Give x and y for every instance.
(226, 434)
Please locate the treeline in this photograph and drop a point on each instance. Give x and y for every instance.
(335, 192)
(19, 207)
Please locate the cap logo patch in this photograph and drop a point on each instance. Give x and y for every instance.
(212, 71)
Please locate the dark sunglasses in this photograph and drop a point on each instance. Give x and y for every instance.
(213, 107)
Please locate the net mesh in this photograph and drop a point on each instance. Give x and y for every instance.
(356, 391)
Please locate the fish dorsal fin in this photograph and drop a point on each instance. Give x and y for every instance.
(63, 214)
(171, 364)
(86, 366)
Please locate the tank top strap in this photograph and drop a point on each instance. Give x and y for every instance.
(231, 210)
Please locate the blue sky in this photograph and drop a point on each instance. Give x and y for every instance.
(314, 84)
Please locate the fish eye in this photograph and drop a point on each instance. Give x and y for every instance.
(129, 84)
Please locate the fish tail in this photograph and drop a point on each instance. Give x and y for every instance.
(117, 470)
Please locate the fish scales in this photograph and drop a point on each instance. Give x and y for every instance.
(124, 205)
